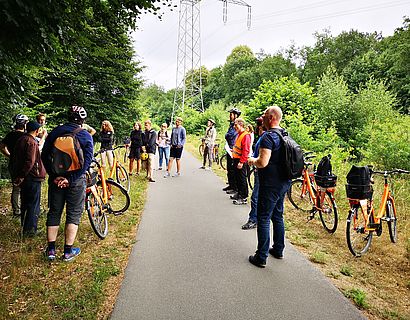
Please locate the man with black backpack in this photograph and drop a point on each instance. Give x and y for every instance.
(273, 185)
(67, 154)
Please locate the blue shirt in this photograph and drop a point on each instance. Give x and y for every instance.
(272, 175)
(231, 135)
(178, 136)
(86, 143)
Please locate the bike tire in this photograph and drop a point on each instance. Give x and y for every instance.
(223, 162)
(201, 149)
(391, 221)
(118, 198)
(358, 238)
(250, 176)
(96, 215)
(328, 213)
(122, 177)
(299, 197)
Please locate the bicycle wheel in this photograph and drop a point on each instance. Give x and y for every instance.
(118, 198)
(328, 213)
(201, 149)
(96, 214)
(251, 176)
(391, 221)
(358, 238)
(223, 162)
(122, 177)
(299, 196)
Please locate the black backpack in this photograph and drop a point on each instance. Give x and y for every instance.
(324, 168)
(292, 155)
(66, 154)
(359, 183)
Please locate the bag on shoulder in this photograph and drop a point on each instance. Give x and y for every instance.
(292, 155)
(66, 153)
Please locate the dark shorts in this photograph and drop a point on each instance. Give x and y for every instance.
(175, 152)
(135, 153)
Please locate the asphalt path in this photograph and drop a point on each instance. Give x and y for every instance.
(190, 261)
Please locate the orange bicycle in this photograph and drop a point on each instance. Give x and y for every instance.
(362, 220)
(103, 196)
(118, 171)
(307, 196)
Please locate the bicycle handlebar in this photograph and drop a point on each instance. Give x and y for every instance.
(103, 150)
(390, 172)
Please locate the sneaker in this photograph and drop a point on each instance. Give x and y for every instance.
(50, 254)
(227, 188)
(208, 169)
(240, 201)
(167, 175)
(151, 180)
(176, 174)
(230, 191)
(234, 196)
(71, 256)
(249, 225)
(274, 254)
(159, 168)
(257, 262)
(203, 167)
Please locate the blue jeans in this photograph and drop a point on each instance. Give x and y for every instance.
(30, 205)
(254, 199)
(163, 151)
(270, 207)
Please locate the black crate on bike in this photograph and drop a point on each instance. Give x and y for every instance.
(328, 181)
(356, 191)
(91, 177)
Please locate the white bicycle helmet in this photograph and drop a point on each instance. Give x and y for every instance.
(78, 112)
(21, 118)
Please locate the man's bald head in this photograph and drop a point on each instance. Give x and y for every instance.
(272, 116)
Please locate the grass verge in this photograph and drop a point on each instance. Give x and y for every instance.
(32, 288)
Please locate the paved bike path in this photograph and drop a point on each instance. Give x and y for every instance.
(190, 261)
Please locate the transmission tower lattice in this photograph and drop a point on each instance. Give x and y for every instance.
(188, 90)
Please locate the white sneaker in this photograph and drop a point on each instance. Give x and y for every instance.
(208, 169)
(167, 175)
(177, 174)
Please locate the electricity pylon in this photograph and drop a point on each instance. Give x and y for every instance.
(188, 89)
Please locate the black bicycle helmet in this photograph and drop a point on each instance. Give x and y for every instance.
(235, 111)
(77, 113)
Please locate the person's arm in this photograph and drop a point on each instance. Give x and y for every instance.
(246, 147)
(4, 150)
(183, 136)
(91, 130)
(153, 139)
(213, 136)
(263, 159)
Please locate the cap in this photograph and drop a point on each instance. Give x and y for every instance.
(32, 126)
(212, 120)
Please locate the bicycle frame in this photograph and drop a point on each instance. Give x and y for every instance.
(104, 197)
(317, 194)
(367, 206)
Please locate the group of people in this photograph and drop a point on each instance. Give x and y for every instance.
(270, 183)
(170, 147)
(31, 151)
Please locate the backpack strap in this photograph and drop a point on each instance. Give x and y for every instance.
(77, 130)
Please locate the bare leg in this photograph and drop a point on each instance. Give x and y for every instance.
(52, 233)
(138, 166)
(131, 165)
(70, 233)
(178, 165)
(171, 161)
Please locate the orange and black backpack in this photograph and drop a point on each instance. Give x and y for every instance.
(66, 154)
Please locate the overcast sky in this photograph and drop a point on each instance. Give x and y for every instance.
(275, 25)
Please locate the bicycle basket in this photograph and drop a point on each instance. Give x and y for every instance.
(91, 177)
(356, 191)
(328, 181)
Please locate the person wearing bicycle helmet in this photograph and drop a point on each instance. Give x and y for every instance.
(6, 147)
(67, 189)
(230, 138)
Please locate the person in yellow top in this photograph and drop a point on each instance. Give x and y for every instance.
(240, 154)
